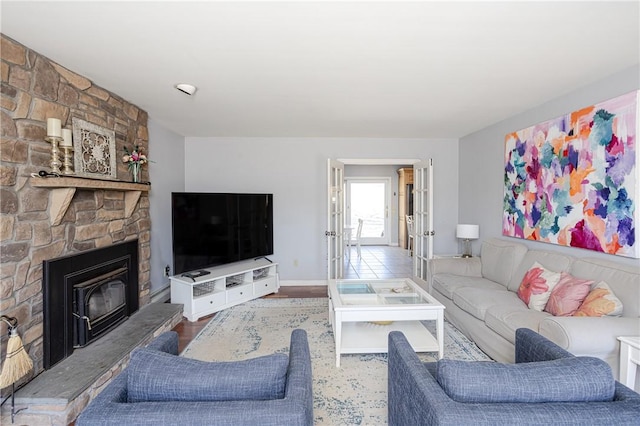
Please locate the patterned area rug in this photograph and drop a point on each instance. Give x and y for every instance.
(354, 394)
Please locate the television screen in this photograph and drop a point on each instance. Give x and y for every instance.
(210, 229)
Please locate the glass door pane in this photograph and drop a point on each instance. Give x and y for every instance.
(335, 219)
(368, 200)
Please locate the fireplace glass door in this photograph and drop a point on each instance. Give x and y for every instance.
(100, 304)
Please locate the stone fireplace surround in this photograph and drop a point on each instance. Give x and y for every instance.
(34, 88)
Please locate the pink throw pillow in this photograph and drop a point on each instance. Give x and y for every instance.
(599, 302)
(567, 296)
(536, 286)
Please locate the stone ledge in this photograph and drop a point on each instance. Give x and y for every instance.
(64, 188)
(88, 183)
(58, 395)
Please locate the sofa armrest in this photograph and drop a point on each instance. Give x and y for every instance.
(166, 342)
(414, 396)
(299, 387)
(595, 336)
(532, 347)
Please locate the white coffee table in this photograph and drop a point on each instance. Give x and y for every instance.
(363, 312)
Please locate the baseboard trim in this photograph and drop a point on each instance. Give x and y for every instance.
(162, 295)
(291, 283)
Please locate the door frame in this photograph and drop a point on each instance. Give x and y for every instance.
(422, 220)
(334, 232)
(335, 219)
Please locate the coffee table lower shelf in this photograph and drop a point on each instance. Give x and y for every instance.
(367, 337)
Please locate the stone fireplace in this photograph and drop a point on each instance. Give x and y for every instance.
(33, 89)
(34, 230)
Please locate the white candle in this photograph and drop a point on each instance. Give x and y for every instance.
(54, 127)
(66, 138)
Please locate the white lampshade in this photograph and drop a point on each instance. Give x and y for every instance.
(467, 232)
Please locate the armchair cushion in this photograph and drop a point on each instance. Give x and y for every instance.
(184, 379)
(573, 379)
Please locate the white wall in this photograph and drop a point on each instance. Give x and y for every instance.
(295, 171)
(166, 150)
(482, 159)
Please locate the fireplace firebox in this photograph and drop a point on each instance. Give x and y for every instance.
(99, 305)
(86, 295)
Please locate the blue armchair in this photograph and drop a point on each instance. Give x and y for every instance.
(160, 388)
(567, 390)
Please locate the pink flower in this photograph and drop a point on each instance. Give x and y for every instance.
(135, 157)
(532, 283)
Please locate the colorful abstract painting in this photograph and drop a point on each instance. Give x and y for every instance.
(573, 180)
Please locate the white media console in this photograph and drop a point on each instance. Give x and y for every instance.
(224, 286)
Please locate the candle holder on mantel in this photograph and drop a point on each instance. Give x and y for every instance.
(67, 147)
(55, 153)
(54, 136)
(68, 163)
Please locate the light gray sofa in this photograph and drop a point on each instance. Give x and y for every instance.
(480, 297)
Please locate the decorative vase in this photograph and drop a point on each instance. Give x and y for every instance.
(135, 172)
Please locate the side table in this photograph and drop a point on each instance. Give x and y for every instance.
(629, 359)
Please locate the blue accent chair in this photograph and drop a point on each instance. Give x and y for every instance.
(549, 373)
(113, 405)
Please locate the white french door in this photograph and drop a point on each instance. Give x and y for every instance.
(335, 219)
(368, 199)
(422, 218)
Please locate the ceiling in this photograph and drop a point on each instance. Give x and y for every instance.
(332, 69)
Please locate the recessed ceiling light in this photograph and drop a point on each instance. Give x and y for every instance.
(186, 88)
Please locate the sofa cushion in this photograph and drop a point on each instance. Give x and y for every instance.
(599, 302)
(567, 296)
(500, 258)
(536, 286)
(553, 261)
(506, 319)
(448, 284)
(158, 376)
(623, 280)
(575, 379)
(476, 301)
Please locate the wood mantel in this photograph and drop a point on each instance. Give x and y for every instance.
(63, 189)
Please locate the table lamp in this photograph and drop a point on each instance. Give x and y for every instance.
(467, 233)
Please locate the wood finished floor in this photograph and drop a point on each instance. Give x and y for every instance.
(188, 330)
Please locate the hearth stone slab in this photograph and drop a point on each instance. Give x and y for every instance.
(58, 395)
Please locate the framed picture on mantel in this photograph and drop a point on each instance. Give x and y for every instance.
(94, 150)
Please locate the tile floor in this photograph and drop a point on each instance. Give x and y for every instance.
(378, 262)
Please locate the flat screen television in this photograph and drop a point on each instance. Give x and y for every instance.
(210, 229)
